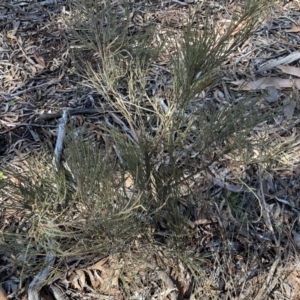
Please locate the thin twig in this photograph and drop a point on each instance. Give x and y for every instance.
(39, 280)
(71, 112)
(264, 208)
(60, 139)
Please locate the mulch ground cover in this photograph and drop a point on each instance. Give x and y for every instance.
(36, 84)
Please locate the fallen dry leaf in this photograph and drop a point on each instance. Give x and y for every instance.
(78, 280)
(99, 265)
(290, 70)
(95, 281)
(294, 281)
(283, 60)
(265, 82)
(272, 94)
(11, 35)
(129, 181)
(294, 28)
(289, 108)
(296, 236)
(111, 284)
(2, 294)
(81, 278)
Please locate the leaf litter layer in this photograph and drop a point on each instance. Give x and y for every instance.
(149, 205)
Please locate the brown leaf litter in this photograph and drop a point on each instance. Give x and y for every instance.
(258, 262)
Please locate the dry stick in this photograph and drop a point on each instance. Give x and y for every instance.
(60, 139)
(265, 210)
(285, 60)
(71, 112)
(48, 117)
(58, 294)
(266, 288)
(39, 280)
(15, 124)
(54, 81)
(118, 155)
(130, 134)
